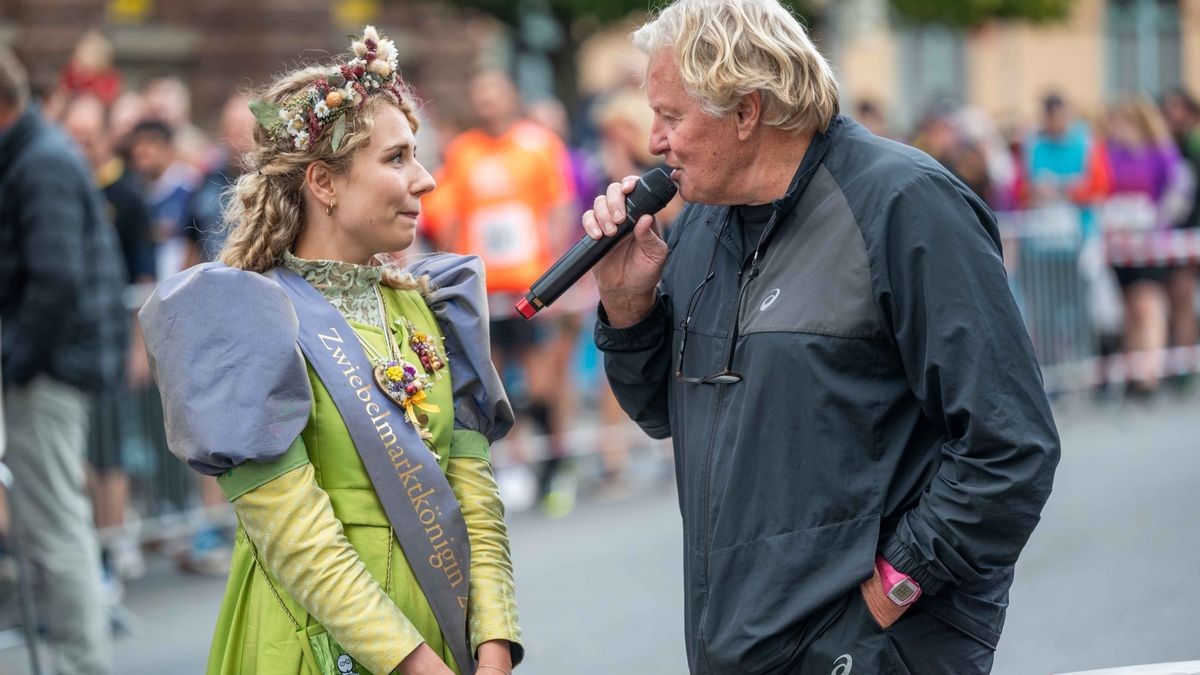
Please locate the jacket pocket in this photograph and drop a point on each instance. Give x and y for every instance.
(762, 593)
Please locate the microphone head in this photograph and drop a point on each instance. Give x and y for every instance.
(654, 190)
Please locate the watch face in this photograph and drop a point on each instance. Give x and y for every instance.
(903, 592)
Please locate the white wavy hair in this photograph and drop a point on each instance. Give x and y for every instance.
(728, 48)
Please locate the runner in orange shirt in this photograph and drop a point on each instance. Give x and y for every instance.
(504, 194)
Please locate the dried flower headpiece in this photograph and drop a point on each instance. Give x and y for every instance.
(301, 119)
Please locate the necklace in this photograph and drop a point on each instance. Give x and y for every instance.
(402, 381)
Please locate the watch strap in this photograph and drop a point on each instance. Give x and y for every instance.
(898, 586)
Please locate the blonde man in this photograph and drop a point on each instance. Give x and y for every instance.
(828, 337)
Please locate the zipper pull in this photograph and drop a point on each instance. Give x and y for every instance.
(758, 248)
(753, 267)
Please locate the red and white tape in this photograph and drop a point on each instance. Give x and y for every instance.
(1153, 248)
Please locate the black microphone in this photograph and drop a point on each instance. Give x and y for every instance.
(654, 190)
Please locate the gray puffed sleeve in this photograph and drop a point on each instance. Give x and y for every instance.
(222, 348)
(459, 302)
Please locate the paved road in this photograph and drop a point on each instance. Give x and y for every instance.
(1108, 579)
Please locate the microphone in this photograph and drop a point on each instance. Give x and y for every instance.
(653, 191)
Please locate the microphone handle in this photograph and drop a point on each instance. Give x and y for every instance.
(572, 266)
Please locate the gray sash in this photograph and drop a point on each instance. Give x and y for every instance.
(414, 492)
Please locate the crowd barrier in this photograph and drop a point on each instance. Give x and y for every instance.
(1061, 266)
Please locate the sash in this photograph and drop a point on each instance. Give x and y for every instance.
(414, 492)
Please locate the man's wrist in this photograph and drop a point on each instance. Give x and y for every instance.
(624, 309)
(897, 586)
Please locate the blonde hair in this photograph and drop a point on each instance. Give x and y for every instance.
(265, 213)
(1141, 112)
(1151, 120)
(729, 48)
(629, 108)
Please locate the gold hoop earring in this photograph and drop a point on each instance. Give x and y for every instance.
(329, 210)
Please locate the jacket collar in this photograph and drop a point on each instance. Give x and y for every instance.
(813, 157)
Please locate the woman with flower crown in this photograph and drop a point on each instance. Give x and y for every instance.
(346, 406)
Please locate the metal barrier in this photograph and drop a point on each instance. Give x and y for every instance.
(1061, 271)
(164, 498)
(1043, 250)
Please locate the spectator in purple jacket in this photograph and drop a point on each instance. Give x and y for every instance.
(1148, 177)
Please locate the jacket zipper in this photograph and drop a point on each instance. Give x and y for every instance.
(712, 439)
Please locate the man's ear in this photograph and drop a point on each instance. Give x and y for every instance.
(748, 114)
(318, 180)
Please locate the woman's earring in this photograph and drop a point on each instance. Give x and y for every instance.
(332, 203)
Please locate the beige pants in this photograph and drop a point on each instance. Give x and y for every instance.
(46, 424)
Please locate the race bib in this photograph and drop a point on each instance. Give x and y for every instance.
(505, 235)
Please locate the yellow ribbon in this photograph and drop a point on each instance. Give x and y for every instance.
(415, 401)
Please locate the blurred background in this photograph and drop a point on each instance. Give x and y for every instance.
(1076, 120)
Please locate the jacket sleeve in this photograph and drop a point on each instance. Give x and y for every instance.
(942, 290)
(637, 361)
(52, 218)
(300, 541)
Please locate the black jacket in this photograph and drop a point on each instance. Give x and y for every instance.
(61, 272)
(891, 403)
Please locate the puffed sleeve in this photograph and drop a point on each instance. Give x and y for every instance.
(459, 302)
(222, 349)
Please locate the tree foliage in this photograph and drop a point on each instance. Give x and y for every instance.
(971, 13)
(600, 11)
(958, 13)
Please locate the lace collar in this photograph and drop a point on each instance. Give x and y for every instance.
(348, 287)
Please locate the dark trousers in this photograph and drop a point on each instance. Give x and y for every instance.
(849, 641)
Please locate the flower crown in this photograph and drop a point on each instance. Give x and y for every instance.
(301, 119)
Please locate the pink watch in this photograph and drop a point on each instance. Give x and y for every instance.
(899, 587)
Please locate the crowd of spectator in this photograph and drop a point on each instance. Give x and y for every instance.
(512, 185)
(1129, 168)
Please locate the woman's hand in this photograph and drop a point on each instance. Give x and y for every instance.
(628, 274)
(423, 661)
(495, 658)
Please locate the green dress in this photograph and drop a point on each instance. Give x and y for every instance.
(261, 628)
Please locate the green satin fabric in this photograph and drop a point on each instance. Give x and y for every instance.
(254, 633)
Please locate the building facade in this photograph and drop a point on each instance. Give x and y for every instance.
(218, 47)
(1105, 48)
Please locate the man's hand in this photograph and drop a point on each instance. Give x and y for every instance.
(628, 274)
(881, 607)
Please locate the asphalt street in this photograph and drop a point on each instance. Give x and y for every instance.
(1108, 579)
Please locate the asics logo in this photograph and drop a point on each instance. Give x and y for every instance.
(843, 665)
(769, 300)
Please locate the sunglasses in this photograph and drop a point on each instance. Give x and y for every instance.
(726, 375)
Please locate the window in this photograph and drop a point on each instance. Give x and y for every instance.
(1143, 46)
(932, 69)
